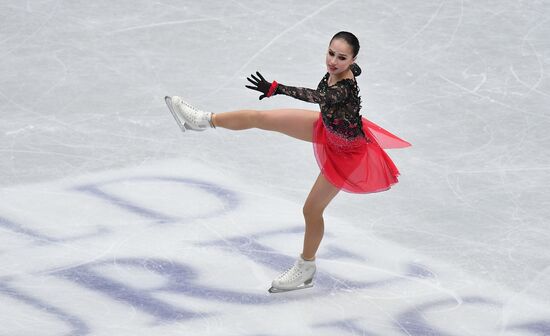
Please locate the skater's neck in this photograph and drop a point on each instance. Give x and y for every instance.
(335, 78)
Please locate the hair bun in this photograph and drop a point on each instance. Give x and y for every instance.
(355, 69)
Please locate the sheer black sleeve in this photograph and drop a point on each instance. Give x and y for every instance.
(330, 96)
(339, 104)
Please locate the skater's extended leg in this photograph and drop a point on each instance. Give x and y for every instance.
(319, 197)
(296, 123)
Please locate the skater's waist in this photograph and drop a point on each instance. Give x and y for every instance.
(343, 141)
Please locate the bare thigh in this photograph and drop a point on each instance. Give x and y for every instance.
(296, 123)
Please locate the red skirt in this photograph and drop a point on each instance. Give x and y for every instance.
(360, 165)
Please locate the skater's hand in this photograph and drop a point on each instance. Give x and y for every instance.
(260, 84)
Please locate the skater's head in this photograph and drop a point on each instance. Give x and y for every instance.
(342, 52)
(350, 39)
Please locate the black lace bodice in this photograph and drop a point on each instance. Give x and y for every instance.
(340, 104)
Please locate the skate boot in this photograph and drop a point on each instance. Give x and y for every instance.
(187, 116)
(299, 276)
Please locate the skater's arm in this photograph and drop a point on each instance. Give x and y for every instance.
(332, 95)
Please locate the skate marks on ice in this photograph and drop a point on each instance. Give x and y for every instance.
(147, 250)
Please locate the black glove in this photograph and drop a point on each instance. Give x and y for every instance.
(260, 84)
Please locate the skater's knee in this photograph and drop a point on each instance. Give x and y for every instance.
(270, 120)
(261, 119)
(311, 211)
(252, 118)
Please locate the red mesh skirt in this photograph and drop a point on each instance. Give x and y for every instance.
(360, 165)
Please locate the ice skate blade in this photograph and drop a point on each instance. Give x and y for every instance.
(275, 290)
(181, 124)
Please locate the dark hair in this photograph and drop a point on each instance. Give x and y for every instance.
(350, 39)
(354, 44)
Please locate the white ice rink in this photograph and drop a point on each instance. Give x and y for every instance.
(112, 222)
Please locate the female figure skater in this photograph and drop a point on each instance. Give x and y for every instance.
(348, 148)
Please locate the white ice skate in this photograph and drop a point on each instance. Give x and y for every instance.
(187, 116)
(299, 276)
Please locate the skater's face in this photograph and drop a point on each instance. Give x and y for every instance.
(339, 56)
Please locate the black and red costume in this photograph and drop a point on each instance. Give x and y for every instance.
(348, 147)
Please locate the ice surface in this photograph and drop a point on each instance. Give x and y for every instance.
(112, 222)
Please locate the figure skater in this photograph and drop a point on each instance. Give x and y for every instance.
(348, 147)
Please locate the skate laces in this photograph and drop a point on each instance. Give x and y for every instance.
(189, 106)
(292, 273)
(193, 114)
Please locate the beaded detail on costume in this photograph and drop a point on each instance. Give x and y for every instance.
(340, 105)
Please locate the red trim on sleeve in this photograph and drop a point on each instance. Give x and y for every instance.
(272, 89)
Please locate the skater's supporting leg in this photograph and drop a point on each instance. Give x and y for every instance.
(319, 197)
(296, 123)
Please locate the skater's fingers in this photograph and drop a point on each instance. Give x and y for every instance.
(262, 96)
(253, 88)
(260, 75)
(253, 81)
(257, 80)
